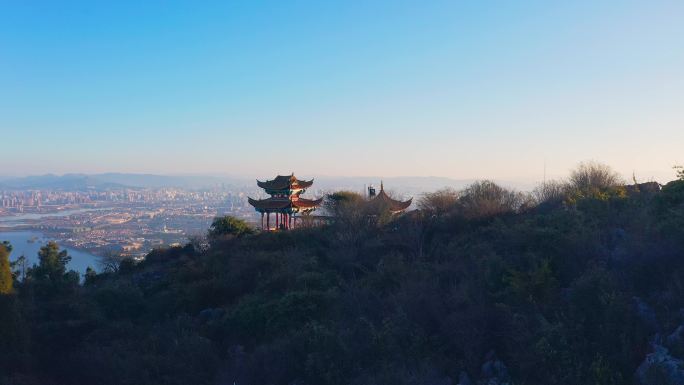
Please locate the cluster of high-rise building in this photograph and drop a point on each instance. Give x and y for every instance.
(125, 220)
(21, 201)
(37, 198)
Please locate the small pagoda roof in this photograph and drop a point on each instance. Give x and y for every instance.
(384, 200)
(279, 204)
(285, 182)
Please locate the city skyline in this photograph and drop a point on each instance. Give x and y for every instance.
(459, 90)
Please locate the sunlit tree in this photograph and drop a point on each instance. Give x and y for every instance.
(439, 202)
(227, 226)
(680, 172)
(485, 199)
(52, 263)
(592, 176)
(5, 271)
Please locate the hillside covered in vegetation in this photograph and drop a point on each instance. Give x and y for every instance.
(581, 282)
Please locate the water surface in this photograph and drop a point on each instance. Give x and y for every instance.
(28, 243)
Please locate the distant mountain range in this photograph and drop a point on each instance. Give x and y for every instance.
(113, 180)
(401, 185)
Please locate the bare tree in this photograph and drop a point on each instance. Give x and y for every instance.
(348, 208)
(439, 202)
(680, 172)
(590, 176)
(110, 261)
(486, 198)
(550, 193)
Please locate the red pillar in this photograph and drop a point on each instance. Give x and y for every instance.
(268, 221)
(262, 221)
(277, 221)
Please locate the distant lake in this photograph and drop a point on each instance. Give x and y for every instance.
(29, 242)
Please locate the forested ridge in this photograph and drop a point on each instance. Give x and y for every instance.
(580, 282)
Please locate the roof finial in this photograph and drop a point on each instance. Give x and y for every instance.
(382, 188)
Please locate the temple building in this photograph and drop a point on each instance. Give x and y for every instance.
(284, 202)
(382, 201)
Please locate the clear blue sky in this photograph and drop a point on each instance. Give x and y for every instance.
(452, 88)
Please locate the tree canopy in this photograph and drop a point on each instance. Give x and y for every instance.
(229, 226)
(499, 291)
(5, 270)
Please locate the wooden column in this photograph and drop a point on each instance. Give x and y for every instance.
(262, 221)
(268, 221)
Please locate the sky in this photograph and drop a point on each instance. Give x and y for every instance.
(461, 89)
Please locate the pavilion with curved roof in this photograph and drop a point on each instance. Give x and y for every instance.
(284, 201)
(382, 201)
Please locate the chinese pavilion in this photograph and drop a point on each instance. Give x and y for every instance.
(284, 201)
(382, 201)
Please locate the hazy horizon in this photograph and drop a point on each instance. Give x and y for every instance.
(463, 90)
(661, 176)
(425, 183)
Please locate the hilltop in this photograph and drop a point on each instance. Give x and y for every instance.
(484, 286)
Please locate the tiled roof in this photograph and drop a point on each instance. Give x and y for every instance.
(280, 204)
(285, 182)
(384, 200)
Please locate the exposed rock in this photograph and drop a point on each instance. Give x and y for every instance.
(646, 314)
(494, 371)
(676, 339)
(660, 368)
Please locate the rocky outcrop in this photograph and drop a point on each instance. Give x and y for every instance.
(660, 368)
(646, 314)
(494, 371)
